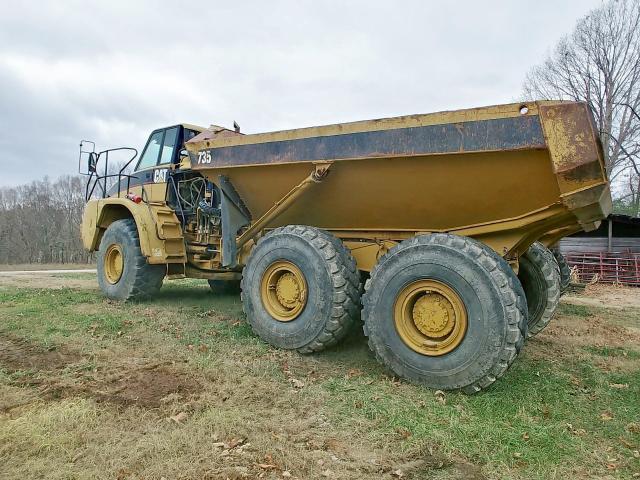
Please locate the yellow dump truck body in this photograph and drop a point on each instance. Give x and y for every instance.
(429, 205)
(507, 175)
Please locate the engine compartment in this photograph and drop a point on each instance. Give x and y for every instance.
(197, 205)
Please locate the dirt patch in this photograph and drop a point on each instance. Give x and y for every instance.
(428, 463)
(594, 330)
(606, 296)
(145, 387)
(18, 354)
(577, 337)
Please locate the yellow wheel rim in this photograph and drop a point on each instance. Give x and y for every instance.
(283, 290)
(113, 263)
(430, 317)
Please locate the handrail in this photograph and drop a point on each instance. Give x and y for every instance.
(88, 193)
(95, 178)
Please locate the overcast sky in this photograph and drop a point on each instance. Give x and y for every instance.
(112, 71)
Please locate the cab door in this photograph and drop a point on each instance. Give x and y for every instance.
(155, 162)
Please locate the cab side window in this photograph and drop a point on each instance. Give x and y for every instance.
(160, 148)
(169, 145)
(150, 155)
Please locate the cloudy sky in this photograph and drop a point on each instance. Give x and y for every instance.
(112, 71)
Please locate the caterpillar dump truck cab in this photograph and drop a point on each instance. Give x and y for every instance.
(447, 214)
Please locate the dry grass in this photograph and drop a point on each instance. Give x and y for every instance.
(179, 388)
(4, 267)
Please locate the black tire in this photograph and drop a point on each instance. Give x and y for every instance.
(521, 301)
(350, 263)
(486, 285)
(565, 271)
(332, 299)
(139, 280)
(540, 277)
(225, 287)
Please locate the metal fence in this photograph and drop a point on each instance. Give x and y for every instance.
(607, 267)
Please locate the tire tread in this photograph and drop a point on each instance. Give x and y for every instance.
(504, 282)
(344, 277)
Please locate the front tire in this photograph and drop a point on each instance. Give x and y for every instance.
(441, 310)
(123, 271)
(300, 289)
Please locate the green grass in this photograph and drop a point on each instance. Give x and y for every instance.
(577, 310)
(607, 351)
(547, 418)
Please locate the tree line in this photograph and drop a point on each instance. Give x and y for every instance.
(40, 222)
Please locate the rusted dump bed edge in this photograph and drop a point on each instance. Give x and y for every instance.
(511, 133)
(454, 125)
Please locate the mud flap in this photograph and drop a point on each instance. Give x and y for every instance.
(235, 215)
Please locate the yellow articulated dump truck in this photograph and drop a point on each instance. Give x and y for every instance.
(431, 230)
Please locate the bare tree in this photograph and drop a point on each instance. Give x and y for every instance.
(628, 195)
(40, 222)
(599, 63)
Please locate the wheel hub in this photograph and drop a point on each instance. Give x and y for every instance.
(283, 290)
(113, 263)
(430, 317)
(288, 290)
(433, 315)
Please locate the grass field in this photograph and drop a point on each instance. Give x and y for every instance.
(178, 387)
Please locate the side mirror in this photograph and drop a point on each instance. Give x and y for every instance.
(92, 161)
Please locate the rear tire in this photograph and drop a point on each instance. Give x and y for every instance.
(565, 271)
(463, 272)
(300, 289)
(123, 271)
(540, 278)
(225, 287)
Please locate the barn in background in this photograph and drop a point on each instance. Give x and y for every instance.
(609, 254)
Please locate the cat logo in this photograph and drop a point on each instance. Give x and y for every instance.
(160, 175)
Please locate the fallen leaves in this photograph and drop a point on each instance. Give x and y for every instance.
(296, 383)
(606, 416)
(233, 444)
(353, 372)
(440, 397)
(576, 431)
(633, 427)
(619, 386)
(625, 443)
(179, 417)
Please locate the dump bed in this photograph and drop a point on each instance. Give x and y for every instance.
(507, 175)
